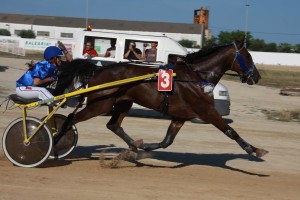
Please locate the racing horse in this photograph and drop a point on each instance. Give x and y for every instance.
(188, 99)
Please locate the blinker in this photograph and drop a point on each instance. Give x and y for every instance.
(242, 62)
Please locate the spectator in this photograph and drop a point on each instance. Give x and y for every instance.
(133, 53)
(110, 52)
(150, 54)
(89, 50)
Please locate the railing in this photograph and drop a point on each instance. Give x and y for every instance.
(12, 47)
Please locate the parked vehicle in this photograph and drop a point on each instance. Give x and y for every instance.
(101, 41)
(166, 47)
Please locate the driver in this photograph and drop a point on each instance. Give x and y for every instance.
(38, 77)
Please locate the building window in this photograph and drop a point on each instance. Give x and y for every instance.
(66, 35)
(43, 33)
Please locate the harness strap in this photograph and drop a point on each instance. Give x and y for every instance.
(165, 104)
(7, 100)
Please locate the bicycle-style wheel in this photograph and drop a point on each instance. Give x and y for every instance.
(30, 154)
(67, 143)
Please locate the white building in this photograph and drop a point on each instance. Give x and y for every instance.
(50, 27)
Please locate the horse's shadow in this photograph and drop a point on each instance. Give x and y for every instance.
(213, 160)
(180, 160)
(3, 68)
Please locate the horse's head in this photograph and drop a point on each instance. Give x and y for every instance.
(244, 65)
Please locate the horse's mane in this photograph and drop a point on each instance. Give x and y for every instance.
(78, 69)
(203, 52)
(81, 71)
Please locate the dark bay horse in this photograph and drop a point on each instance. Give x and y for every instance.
(188, 99)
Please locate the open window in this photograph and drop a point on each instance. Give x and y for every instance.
(104, 47)
(141, 50)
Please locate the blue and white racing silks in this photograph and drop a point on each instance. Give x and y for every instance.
(42, 70)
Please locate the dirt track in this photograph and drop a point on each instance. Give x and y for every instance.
(201, 164)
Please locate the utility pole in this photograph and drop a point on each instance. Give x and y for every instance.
(86, 13)
(246, 20)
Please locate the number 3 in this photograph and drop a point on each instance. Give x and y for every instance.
(166, 80)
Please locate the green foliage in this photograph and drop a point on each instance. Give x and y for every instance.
(284, 47)
(27, 34)
(211, 42)
(253, 44)
(270, 47)
(4, 32)
(296, 48)
(256, 45)
(186, 43)
(225, 37)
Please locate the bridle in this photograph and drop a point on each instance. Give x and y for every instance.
(247, 73)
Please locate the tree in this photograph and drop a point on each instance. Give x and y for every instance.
(186, 43)
(296, 48)
(284, 47)
(270, 47)
(26, 34)
(211, 42)
(4, 32)
(226, 37)
(256, 45)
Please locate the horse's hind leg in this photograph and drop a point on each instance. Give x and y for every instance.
(91, 110)
(120, 111)
(214, 118)
(173, 129)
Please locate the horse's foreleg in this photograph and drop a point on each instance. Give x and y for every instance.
(214, 118)
(120, 111)
(169, 138)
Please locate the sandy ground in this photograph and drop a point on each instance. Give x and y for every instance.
(202, 163)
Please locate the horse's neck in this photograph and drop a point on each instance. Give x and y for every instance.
(214, 68)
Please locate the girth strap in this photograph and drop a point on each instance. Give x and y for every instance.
(165, 104)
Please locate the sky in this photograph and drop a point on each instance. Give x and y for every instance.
(275, 21)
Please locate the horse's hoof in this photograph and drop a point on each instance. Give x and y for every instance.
(144, 147)
(129, 156)
(138, 143)
(261, 152)
(133, 149)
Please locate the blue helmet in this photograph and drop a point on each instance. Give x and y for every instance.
(52, 51)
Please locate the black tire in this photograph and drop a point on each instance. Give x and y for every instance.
(67, 143)
(32, 154)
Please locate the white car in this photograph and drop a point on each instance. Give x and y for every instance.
(222, 105)
(222, 100)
